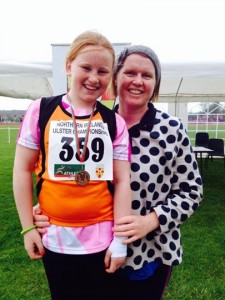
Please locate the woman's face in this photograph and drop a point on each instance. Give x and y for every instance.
(135, 81)
(90, 72)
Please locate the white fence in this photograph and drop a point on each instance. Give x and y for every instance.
(214, 124)
(9, 134)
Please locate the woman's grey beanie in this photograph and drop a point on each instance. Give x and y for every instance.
(139, 49)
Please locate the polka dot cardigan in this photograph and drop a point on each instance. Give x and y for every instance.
(165, 179)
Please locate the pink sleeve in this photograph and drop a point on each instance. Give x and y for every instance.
(29, 134)
(121, 144)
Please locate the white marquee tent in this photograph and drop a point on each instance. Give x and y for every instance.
(191, 82)
(25, 80)
(181, 83)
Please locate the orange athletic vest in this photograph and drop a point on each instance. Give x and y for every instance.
(65, 202)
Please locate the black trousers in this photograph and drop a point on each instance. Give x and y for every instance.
(83, 277)
(79, 277)
(152, 288)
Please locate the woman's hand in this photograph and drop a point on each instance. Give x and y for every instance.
(135, 226)
(40, 221)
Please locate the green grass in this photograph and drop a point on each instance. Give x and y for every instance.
(200, 276)
(21, 278)
(202, 273)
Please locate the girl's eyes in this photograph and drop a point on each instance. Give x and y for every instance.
(88, 69)
(102, 72)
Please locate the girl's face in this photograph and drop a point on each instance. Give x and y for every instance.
(135, 82)
(90, 72)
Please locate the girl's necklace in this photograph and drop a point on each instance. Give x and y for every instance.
(82, 177)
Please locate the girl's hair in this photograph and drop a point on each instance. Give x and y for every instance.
(89, 38)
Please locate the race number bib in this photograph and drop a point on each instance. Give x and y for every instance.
(63, 163)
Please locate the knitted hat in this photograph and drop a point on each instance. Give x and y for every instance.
(139, 49)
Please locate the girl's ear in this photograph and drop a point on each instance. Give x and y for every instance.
(68, 68)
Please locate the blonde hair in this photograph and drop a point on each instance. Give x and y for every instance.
(89, 38)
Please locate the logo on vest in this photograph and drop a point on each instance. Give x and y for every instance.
(99, 171)
(67, 170)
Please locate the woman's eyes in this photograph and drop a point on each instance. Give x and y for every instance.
(147, 76)
(130, 73)
(144, 75)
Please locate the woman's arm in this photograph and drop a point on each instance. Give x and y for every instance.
(40, 221)
(186, 192)
(25, 160)
(184, 198)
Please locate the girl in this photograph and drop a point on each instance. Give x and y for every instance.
(70, 142)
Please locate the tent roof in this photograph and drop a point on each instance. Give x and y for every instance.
(192, 82)
(29, 80)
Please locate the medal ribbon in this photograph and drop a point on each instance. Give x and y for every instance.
(81, 157)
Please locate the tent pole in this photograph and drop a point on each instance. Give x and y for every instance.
(177, 95)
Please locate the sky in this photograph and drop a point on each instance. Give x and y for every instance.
(178, 30)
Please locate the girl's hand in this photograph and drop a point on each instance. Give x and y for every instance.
(33, 244)
(135, 226)
(113, 263)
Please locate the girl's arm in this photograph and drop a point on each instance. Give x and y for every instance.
(122, 207)
(25, 160)
(122, 191)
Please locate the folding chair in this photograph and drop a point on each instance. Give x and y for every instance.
(202, 139)
(217, 145)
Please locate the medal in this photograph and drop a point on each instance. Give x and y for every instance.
(82, 177)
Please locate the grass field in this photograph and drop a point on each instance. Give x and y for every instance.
(201, 276)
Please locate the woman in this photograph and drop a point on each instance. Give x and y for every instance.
(165, 181)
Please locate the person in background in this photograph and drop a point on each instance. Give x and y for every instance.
(165, 181)
(76, 147)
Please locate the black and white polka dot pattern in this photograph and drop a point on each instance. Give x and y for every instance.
(164, 178)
